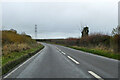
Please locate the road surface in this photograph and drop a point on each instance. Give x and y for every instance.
(56, 61)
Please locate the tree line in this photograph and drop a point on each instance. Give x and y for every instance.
(99, 40)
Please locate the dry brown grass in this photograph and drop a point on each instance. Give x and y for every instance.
(9, 37)
(8, 48)
(13, 42)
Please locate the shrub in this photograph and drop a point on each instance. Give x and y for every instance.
(95, 40)
(14, 42)
(9, 37)
(115, 43)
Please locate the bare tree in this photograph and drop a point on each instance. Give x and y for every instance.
(116, 30)
(85, 31)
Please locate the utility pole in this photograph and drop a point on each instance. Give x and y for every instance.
(35, 31)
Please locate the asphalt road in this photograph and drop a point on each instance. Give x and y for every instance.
(56, 61)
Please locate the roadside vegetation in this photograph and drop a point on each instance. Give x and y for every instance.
(16, 48)
(97, 43)
(100, 52)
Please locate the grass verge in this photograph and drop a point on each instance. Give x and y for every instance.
(94, 51)
(15, 58)
(98, 52)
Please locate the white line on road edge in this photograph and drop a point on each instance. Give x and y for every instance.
(21, 65)
(73, 60)
(95, 75)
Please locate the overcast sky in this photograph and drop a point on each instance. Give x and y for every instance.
(60, 19)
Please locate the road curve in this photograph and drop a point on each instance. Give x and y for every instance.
(56, 61)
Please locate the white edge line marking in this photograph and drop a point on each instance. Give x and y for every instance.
(21, 65)
(95, 75)
(73, 60)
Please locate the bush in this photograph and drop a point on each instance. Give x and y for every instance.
(95, 40)
(115, 43)
(88, 41)
(9, 37)
(13, 42)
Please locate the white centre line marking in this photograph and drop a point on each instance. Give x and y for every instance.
(73, 60)
(59, 50)
(63, 53)
(23, 64)
(56, 48)
(95, 75)
(68, 56)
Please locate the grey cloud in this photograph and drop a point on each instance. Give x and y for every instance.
(56, 20)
